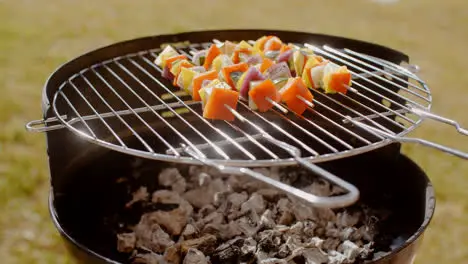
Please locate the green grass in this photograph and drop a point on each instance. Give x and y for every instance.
(36, 36)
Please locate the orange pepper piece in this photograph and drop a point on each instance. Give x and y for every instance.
(173, 59)
(198, 80)
(293, 88)
(339, 80)
(211, 54)
(259, 93)
(235, 55)
(215, 106)
(266, 63)
(226, 71)
(275, 45)
(261, 42)
(284, 48)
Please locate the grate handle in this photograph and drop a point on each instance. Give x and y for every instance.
(318, 201)
(424, 142)
(40, 125)
(426, 114)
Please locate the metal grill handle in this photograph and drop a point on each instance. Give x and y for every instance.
(318, 201)
(427, 143)
(426, 114)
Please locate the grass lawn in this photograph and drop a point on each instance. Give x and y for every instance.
(36, 36)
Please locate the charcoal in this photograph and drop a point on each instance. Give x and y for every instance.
(216, 218)
(126, 242)
(171, 177)
(149, 258)
(195, 256)
(172, 254)
(205, 244)
(139, 195)
(175, 220)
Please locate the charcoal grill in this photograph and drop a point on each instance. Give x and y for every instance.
(114, 98)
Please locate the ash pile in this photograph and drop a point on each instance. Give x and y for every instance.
(197, 215)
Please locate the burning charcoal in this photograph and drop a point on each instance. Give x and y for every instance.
(273, 261)
(206, 210)
(140, 195)
(309, 228)
(206, 244)
(149, 258)
(331, 244)
(320, 188)
(171, 177)
(347, 233)
(284, 207)
(286, 218)
(230, 230)
(189, 232)
(204, 195)
(126, 242)
(195, 256)
(314, 256)
(255, 203)
(366, 233)
(230, 251)
(367, 250)
(270, 194)
(150, 235)
(350, 250)
(214, 218)
(331, 230)
(249, 247)
(175, 220)
(317, 242)
(172, 254)
(297, 229)
(247, 227)
(283, 251)
(267, 241)
(345, 219)
(203, 179)
(266, 220)
(237, 199)
(335, 257)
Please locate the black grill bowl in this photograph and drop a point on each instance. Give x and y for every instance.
(394, 183)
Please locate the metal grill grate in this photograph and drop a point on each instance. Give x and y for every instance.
(124, 104)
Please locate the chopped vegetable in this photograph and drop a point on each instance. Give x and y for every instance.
(254, 59)
(243, 85)
(221, 61)
(273, 43)
(198, 80)
(289, 95)
(211, 54)
(260, 43)
(336, 78)
(278, 70)
(184, 80)
(176, 67)
(168, 52)
(242, 51)
(285, 56)
(227, 48)
(216, 102)
(266, 63)
(306, 73)
(199, 58)
(231, 74)
(259, 94)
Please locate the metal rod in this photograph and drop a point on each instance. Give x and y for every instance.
(332, 50)
(223, 134)
(439, 118)
(96, 113)
(424, 142)
(324, 202)
(122, 120)
(359, 68)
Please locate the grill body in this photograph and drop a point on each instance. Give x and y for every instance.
(81, 172)
(385, 180)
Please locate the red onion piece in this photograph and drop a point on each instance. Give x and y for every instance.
(197, 56)
(254, 59)
(285, 56)
(167, 74)
(253, 74)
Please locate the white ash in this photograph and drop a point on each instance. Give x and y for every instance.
(208, 217)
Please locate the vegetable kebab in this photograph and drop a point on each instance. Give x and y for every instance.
(265, 73)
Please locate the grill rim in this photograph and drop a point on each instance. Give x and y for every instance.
(68, 69)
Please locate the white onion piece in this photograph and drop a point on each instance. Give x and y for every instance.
(277, 71)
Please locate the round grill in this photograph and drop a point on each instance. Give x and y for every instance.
(124, 104)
